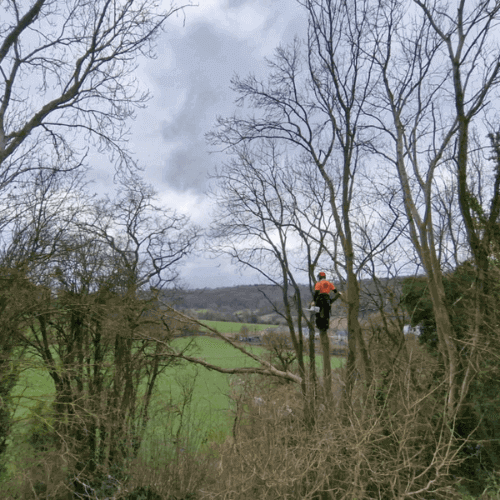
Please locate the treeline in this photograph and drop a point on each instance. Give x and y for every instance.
(259, 300)
(244, 303)
(262, 298)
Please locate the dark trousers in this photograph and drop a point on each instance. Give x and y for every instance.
(323, 317)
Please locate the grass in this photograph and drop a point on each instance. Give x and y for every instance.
(35, 388)
(207, 418)
(234, 327)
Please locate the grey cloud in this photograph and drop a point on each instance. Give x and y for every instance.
(213, 273)
(187, 169)
(236, 4)
(190, 82)
(192, 78)
(207, 60)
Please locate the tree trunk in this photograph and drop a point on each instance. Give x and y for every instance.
(327, 367)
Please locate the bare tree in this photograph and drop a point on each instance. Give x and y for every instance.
(314, 100)
(261, 202)
(280, 348)
(37, 216)
(423, 57)
(99, 329)
(32, 232)
(147, 240)
(67, 73)
(473, 59)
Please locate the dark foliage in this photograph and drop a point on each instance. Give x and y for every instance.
(143, 493)
(14, 292)
(478, 422)
(416, 300)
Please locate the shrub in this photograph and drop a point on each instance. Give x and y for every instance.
(388, 444)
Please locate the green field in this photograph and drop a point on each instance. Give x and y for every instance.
(234, 327)
(205, 419)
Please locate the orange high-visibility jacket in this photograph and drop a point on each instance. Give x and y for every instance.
(324, 286)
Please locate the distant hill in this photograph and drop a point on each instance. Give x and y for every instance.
(261, 298)
(236, 298)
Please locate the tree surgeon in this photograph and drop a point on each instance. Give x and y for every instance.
(325, 294)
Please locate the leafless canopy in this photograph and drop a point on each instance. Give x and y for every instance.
(67, 68)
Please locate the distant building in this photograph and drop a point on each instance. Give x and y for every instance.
(340, 336)
(305, 333)
(412, 330)
(251, 340)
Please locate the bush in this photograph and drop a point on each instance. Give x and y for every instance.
(280, 347)
(389, 444)
(41, 434)
(143, 493)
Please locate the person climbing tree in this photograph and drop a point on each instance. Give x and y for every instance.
(325, 294)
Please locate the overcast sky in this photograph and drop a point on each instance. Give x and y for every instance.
(190, 86)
